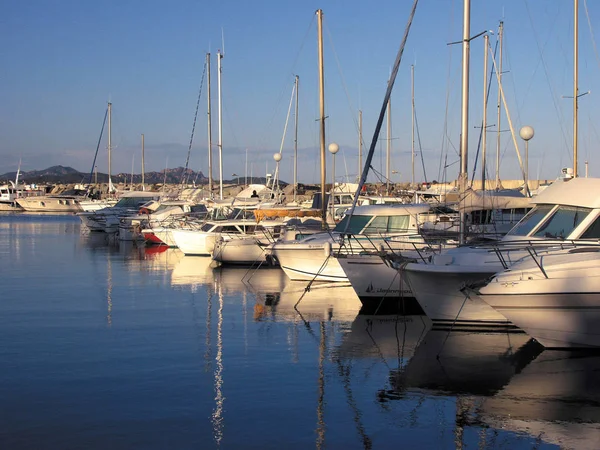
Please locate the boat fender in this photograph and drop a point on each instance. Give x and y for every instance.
(327, 249)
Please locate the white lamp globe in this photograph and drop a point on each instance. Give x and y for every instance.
(277, 157)
(526, 133)
(333, 148)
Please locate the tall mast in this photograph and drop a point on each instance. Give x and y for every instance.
(143, 165)
(210, 170)
(219, 57)
(296, 140)
(575, 82)
(412, 131)
(464, 133)
(322, 115)
(498, 111)
(484, 120)
(389, 145)
(360, 142)
(109, 145)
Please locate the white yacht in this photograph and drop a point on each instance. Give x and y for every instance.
(107, 219)
(555, 297)
(65, 202)
(153, 214)
(567, 210)
(201, 241)
(316, 257)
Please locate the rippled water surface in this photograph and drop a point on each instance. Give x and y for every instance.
(118, 346)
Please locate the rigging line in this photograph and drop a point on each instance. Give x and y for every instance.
(420, 145)
(382, 112)
(344, 85)
(587, 15)
(445, 138)
(546, 72)
(185, 175)
(283, 89)
(98, 146)
(482, 130)
(287, 119)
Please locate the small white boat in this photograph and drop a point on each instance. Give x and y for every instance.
(555, 298)
(315, 257)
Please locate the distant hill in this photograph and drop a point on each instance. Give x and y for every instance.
(68, 175)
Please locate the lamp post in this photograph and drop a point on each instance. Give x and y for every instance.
(235, 175)
(526, 134)
(277, 158)
(333, 149)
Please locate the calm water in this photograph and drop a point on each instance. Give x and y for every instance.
(115, 346)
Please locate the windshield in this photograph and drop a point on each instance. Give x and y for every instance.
(530, 221)
(563, 222)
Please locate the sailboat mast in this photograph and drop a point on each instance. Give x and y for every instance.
(575, 82)
(464, 133)
(219, 57)
(360, 143)
(486, 40)
(210, 170)
(412, 131)
(388, 146)
(296, 139)
(498, 111)
(322, 116)
(143, 166)
(109, 145)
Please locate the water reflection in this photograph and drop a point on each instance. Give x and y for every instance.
(471, 363)
(192, 272)
(555, 398)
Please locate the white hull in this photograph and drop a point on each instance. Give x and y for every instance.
(555, 320)
(246, 250)
(164, 235)
(50, 204)
(554, 298)
(306, 262)
(437, 289)
(379, 286)
(192, 242)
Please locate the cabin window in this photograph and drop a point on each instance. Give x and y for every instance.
(229, 229)
(530, 221)
(357, 223)
(388, 224)
(562, 222)
(206, 227)
(593, 231)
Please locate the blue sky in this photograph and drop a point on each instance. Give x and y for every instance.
(63, 60)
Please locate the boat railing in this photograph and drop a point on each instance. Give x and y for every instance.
(536, 248)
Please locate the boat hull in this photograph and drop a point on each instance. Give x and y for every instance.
(192, 242)
(379, 286)
(438, 291)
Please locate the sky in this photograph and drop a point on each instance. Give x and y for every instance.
(63, 61)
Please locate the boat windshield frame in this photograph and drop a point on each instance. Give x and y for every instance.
(531, 220)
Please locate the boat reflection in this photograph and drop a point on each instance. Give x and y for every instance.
(323, 301)
(192, 272)
(165, 259)
(467, 363)
(556, 399)
(383, 336)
